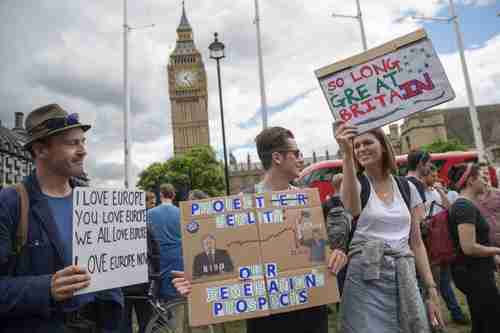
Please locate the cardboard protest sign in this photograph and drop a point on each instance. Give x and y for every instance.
(387, 83)
(110, 236)
(254, 255)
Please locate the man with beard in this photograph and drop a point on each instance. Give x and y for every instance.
(37, 276)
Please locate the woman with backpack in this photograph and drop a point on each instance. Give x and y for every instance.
(474, 269)
(380, 291)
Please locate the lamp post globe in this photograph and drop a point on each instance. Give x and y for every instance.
(216, 48)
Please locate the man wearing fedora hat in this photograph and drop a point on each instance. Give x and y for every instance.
(38, 279)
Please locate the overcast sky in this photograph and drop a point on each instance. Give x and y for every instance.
(71, 53)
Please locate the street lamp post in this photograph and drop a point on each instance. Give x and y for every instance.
(476, 127)
(217, 52)
(358, 17)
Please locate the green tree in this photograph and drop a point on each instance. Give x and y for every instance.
(441, 146)
(196, 169)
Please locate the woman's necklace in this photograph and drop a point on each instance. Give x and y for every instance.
(384, 190)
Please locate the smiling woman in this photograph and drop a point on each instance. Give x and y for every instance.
(387, 237)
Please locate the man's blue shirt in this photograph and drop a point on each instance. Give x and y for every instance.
(166, 226)
(62, 211)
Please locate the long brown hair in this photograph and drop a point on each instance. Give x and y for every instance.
(388, 158)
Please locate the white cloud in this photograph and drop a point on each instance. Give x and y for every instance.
(77, 61)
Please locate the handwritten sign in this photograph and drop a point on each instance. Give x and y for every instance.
(386, 83)
(110, 236)
(255, 255)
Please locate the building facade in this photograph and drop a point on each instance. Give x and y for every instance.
(15, 162)
(448, 124)
(187, 84)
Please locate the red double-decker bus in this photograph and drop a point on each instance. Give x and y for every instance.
(319, 174)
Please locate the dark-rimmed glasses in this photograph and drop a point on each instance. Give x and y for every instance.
(296, 152)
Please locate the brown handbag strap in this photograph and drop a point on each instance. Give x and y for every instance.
(22, 226)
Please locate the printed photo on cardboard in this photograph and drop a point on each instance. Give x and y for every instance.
(211, 260)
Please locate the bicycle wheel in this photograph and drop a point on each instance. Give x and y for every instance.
(170, 317)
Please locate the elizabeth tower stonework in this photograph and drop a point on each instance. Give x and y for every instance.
(187, 85)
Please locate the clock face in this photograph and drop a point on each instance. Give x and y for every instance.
(186, 79)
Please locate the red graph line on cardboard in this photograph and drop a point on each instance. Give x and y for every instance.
(268, 238)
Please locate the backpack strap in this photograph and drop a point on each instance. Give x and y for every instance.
(22, 226)
(365, 189)
(404, 188)
(420, 187)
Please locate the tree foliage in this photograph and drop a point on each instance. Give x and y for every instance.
(196, 169)
(441, 146)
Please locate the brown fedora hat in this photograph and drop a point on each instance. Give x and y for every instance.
(49, 120)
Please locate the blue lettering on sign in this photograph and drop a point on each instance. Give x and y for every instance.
(284, 299)
(224, 293)
(271, 270)
(310, 280)
(269, 216)
(218, 309)
(245, 273)
(237, 203)
(262, 303)
(218, 206)
(251, 218)
(241, 306)
(303, 296)
(194, 208)
(273, 287)
(283, 200)
(301, 198)
(292, 285)
(247, 289)
(260, 201)
(230, 219)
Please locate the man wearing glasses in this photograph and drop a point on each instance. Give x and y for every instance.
(37, 277)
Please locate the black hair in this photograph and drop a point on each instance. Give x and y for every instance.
(271, 140)
(415, 157)
(456, 172)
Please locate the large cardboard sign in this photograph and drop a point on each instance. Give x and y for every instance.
(255, 255)
(110, 236)
(386, 83)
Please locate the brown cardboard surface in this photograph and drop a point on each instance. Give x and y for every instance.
(273, 245)
(281, 243)
(322, 289)
(202, 306)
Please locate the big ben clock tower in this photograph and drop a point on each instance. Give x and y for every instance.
(187, 86)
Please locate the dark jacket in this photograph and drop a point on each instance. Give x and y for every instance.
(202, 265)
(25, 300)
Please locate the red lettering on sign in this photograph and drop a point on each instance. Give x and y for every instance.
(415, 87)
(368, 105)
(381, 99)
(394, 94)
(345, 115)
(331, 85)
(354, 78)
(356, 112)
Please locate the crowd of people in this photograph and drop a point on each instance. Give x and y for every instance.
(376, 226)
